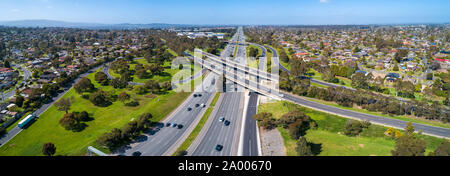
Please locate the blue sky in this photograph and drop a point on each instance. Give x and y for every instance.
(229, 11)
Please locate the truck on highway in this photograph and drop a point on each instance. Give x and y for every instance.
(26, 121)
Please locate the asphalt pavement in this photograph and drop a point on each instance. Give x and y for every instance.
(159, 140)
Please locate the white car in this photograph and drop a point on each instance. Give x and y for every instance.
(222, 119)
(202, 105)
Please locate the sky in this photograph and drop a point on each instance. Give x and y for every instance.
(246, 12)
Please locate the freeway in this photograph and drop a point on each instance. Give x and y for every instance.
(163, 140)
(230, 108)
(16, 130)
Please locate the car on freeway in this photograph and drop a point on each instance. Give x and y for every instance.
(174, 125)
(137, 153)
(189, 109)
(227, 123)
(219, 147)
(168, 124)
(195, 95)
(197, 105)
(199, 95)
(222, 119)
(180, 126)
(203, 105)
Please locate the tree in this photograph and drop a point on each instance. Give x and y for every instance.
(429, 76)
(298, 68)
(409, 144)
(6, 64)
(142, 73)
(69, 122)
(48, 149)
(303, 149)
(395, 67)
(283, 56)
(119, 83)
(166, 86)
(359, 80)
(124, 97)
(82, 116)
(353, 128)
(152, 86)
(111, 140)
(84, 85)
(19, 101)
(64, 104)
(101, 78)
(100, 98)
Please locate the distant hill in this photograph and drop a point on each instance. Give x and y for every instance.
(53, 23)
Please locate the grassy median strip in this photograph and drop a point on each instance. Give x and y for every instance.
(198, 128)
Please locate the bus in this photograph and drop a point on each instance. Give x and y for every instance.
(26, 121)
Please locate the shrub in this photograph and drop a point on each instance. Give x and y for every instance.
(132, 104)
(353, 128)
(100, 98)
(84, 85)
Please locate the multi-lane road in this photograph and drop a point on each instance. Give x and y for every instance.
(230, 108)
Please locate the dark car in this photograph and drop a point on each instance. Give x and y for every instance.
(227, 123)
(180, 126)
(219, 148)
(195, 95)
(189, 109)
(197, 105)
(168, 124)
(174, 125)
(137, 153)
(199, 95)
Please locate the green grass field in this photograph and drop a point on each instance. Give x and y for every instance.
(329, 140)
(47, 129)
